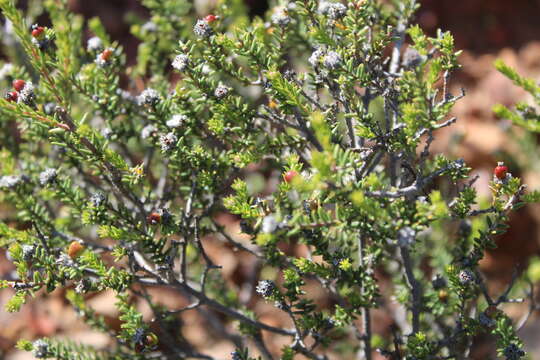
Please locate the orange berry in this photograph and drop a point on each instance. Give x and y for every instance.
(443, 295)
(154, 218)
(75, 249)
(106, 54)
(272, 104)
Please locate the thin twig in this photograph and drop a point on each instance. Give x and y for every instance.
(366, 316)
(416, 288)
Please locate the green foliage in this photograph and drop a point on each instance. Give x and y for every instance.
(524, 116)
(300, 125)
(68, 350)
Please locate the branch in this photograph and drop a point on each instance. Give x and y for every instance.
(205, 300)
(416, 288)
(413, 189)
(366, 318)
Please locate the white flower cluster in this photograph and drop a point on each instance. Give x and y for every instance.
(221, 91)
(9, 181)
(180, 62)
(47, 176)
(202, 29)
(94, 44)
(176, 121)
(148, 97)
(280, 16)
(333, 10)
(168, 141)
(329, 59)
(26, 95)
(148, 131)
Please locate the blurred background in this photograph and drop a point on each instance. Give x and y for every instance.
(485, 30)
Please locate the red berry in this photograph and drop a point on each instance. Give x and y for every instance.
(106, 54)
(210, 18)
(12, 96)
(19, 84)
(154, 218)
(38, 31)
(500, 171)
(289, 176)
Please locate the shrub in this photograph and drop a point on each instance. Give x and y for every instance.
(115, 172)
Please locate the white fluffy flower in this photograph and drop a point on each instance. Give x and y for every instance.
(65, 260)
(280, 16)
(26, 95)
(97, 199)
(180, 62)
(315, 57)
(94, 44)
(148, 97)
(9, 181)
(269, 224)
(221, 91)
(40, 349)
(47, 176)
(333, 10)
(148, 131)
(107, 132)
(202, 29)
(167, 141)
(176, 121)
(332, 60)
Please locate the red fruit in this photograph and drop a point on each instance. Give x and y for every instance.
(106, 54)
(12, 96)
(210, 18)
(154, 218)
(38, 31)
(500, 171)
(19, 84)
(289, 176)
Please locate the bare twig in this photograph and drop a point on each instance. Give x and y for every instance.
(415, 286)
(366, 316)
